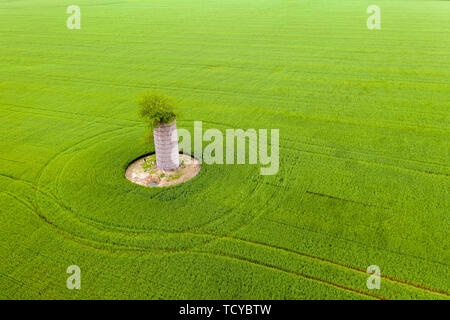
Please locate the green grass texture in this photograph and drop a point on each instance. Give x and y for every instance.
(364, 149)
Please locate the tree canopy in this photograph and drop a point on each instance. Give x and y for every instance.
(156, 109)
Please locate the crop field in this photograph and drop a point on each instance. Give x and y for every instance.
(364, 158)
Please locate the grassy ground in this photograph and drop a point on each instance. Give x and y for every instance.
(364, 153)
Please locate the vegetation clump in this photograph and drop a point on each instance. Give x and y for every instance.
(148, 165)
(156, 109)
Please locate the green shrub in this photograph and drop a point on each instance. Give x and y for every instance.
(156, 109)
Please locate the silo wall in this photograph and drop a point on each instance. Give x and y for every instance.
(166, 146)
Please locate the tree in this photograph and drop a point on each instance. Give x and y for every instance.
(157, 111)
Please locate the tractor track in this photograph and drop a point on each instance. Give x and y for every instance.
(117, 247)
(90, 242)
(297, 274)
(266, 97)
(133, 123)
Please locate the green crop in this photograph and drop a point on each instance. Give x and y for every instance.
(364, 154)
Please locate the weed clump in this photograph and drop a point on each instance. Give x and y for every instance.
(156, 109)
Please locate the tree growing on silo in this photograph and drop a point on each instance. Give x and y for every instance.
(157, 111)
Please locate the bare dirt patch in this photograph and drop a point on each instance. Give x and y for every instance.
(145, 172)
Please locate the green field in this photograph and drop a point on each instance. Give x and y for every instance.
(364, 120)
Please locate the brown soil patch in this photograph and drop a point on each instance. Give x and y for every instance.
(144, 172)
